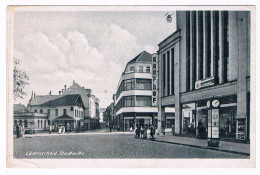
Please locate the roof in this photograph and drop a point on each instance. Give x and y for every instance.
(19, 108)
(67, 100)
(142, 57)
(41, 99)
(65, 117)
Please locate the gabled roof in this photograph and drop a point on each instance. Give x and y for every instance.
(65, 117)
(66, 100)
(142, 57)
(41, 99)
(18, 108)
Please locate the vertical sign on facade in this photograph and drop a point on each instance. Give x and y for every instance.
(155, 80)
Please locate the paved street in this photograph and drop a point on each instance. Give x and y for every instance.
(107, 146)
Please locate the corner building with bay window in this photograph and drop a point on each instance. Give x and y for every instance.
(207, 58)
(137, 95)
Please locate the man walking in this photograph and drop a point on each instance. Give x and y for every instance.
(152, 132)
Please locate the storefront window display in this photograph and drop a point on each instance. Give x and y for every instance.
(227, 128)
(188, 119)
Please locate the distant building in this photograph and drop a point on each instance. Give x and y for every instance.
(136, 97)
(108, 114)
(91, 104)
(19, 108)
(31, 122)
(66, 110)
(101, 114)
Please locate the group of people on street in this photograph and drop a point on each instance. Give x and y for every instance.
(19, 131)
(61, 130)
(141, 132)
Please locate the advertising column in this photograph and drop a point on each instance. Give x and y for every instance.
(213, 122)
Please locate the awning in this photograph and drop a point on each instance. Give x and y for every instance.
(64, 118)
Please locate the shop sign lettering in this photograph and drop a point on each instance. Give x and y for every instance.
(155, 81)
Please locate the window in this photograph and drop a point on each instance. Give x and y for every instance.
(35, 110)
(147, 69)
(164, 73)
(143, 101)
(41, 111)
(129, 101)
(172, 71)
(38, 124)
(132, 69)
(71, 108)
(56, 112)
(168, 73)
(64, 111)
(141, 69)
(49, 111)
(127, 85)
(143, 84)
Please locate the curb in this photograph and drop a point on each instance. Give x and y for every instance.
(202, 147)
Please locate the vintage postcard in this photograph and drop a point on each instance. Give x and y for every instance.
(131, 86)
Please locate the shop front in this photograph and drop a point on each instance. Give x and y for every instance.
(195, 119)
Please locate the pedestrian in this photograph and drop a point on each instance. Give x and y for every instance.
(131, 129)
(17, 131)
(20, 130)
(145, 132)
(59, 131)
(138, 131)
(142, 132)
(50, 128)
(63, 129)
(152, 132)
(173, 130)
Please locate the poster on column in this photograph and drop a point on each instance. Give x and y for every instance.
(215, 123)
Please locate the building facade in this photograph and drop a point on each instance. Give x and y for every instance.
(31, 122)
(134, 100)
(91, 104)
(65, 110)
(206, 59)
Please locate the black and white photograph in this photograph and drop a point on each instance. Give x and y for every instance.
(131, 83)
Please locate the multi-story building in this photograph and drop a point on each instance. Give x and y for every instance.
(134, 100)
(91, 104)
(60, 109)
(207, 58)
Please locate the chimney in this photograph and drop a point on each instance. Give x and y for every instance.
(73, 81)
(34, 95)
(59, 92)
(50, 93)
(65, 87)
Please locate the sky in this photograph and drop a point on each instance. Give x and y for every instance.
(89, 47)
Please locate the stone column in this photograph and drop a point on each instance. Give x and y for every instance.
(221, 47)
(161, 109)
(243, 49)
(177, 65)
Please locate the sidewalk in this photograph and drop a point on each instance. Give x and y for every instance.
(96, 132)
(232, 147)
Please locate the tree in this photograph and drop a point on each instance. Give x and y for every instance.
(20, 80)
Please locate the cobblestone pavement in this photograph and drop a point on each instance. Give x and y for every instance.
(107, 146)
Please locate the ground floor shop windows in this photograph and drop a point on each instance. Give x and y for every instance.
(188, 119)
(195, 119)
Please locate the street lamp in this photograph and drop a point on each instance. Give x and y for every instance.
(169, 17)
